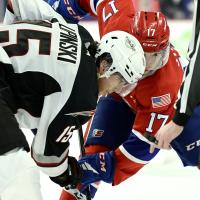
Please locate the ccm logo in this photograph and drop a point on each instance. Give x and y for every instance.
(193, 145)
(70, 10)
(102, 162)
(149, 45)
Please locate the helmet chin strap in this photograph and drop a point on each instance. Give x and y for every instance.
(126, 89)
(148, 73)
(151, 72)
(102, 76)
(98, 75)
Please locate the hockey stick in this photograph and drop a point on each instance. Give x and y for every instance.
(82, 153)
(150, 137)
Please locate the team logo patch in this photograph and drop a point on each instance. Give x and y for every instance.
(130, 44)
(98, 133)
(161, 101)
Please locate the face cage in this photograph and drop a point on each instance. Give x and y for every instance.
(156, 60)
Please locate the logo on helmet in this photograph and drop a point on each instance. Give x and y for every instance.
(149, 45)
(130, 43)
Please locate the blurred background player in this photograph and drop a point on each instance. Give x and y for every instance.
(152, 5)
(177, 9)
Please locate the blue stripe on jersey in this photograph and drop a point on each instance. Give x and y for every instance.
(111, 124)
(138, 148)
(65, 8)
(95, 3)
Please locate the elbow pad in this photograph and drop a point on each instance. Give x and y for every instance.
(69, 9)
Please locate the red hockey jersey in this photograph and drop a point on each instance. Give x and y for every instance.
(114, 14)
(153, 98)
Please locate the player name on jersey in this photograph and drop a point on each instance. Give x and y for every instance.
(68, 45)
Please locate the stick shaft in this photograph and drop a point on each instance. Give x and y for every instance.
(82, 153)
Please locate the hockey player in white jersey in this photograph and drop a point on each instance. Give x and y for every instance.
(48, 72)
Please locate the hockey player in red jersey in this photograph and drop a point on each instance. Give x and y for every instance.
(122, 122)
(51, 72)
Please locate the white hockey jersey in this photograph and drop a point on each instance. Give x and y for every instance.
(51, 74)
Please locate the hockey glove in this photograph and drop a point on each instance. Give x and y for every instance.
(72, 176)
(68, 9)
(97, 167)
(72, 194)
(80, 192)
(92, 190)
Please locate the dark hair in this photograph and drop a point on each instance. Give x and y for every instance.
(93, 48)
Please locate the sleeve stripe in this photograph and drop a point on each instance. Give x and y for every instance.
(51, 165)
(130, 157)
(94, 4)
(55, 171)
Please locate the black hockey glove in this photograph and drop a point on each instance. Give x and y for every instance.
(72, 176)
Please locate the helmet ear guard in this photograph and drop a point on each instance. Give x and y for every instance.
(126, 54)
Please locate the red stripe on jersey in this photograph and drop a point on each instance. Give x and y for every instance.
(85, 5)
(95, 149)
(124, 168)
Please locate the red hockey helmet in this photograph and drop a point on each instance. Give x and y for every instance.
(152, 30)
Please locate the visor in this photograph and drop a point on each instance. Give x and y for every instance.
(156, 60)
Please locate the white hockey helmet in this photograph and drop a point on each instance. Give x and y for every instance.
(126, 53)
